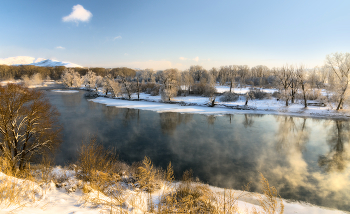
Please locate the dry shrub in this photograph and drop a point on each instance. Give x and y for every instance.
(314, 94)
(229, 97)
(100, 169)
(259, 94)
(94, 162)
(270, 201)
(188, 197)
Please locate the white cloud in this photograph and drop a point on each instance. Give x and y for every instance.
(60, 47)
(78, 14)
(126, 54)
(117, 37)
(194, 59)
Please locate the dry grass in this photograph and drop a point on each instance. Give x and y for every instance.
(15, 191)
(270, 201)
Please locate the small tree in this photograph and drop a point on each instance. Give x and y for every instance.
(90, 79)
(169, 88)
(28, 124)
(339, 63)
(302, 81)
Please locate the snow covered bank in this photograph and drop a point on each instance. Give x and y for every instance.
(70, 197)
(197, 105)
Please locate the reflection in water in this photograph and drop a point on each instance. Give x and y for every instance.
(70, 99)
(337, 158)
(211, 119)
(170, 120)
(249, 119)
(304, 159)
(292, 132)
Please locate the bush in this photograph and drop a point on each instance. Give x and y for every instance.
(94, 161)
(151, 88)
(276, 94)
(314, 95)
(229, 97)
(259, 94)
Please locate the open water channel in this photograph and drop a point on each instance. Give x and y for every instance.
(305, 159)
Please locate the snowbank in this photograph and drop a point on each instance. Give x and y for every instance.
(198, 105)
(52, 199)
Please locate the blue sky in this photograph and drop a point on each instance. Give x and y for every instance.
(175, 34)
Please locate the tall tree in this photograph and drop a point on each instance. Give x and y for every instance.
(169, 88)
(28, 124)
(339, 63)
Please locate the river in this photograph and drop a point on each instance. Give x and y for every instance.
(306, 159)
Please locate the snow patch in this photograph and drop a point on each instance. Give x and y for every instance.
(65, 91)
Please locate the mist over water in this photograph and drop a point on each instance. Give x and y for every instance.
(305, 159)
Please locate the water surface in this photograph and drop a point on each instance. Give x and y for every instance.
(305, 159)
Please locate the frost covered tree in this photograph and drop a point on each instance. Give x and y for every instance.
(169, 88)
(124, 75)
(339, 64)
(90, 79)
(70, 78)
(187, 81)
(283, 76)
(28, 125)
(197, 72)
(303, 83)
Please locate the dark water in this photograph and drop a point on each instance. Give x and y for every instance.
(305, 159)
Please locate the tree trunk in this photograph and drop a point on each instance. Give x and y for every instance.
(304, 93)
(340, 105)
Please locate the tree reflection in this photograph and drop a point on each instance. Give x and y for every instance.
(211, 119)
(230, 116)
(337, 158)
(110, 112)
(130, 114)
(71, 99)
(249, 119)
(292, 132)
(170, 120)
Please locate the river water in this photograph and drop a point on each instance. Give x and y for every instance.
(305, 159)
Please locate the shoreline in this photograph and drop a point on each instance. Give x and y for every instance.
(219, 109)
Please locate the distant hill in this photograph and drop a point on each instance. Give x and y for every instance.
(27, 60)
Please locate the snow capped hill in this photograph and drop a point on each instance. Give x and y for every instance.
(27, 60)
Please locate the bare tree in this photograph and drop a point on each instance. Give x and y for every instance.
(283, 76)
(302, 81)
(28, 124)
(294, 84)
(125, 75)
(169, 88)
(187, 80)
(138, 84)
(339, 63)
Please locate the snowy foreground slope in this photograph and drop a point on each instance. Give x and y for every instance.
(68, 197)
(27, 60)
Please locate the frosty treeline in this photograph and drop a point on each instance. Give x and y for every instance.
(295, 83)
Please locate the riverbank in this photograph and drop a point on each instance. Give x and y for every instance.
(63, 192)
(199, 105)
